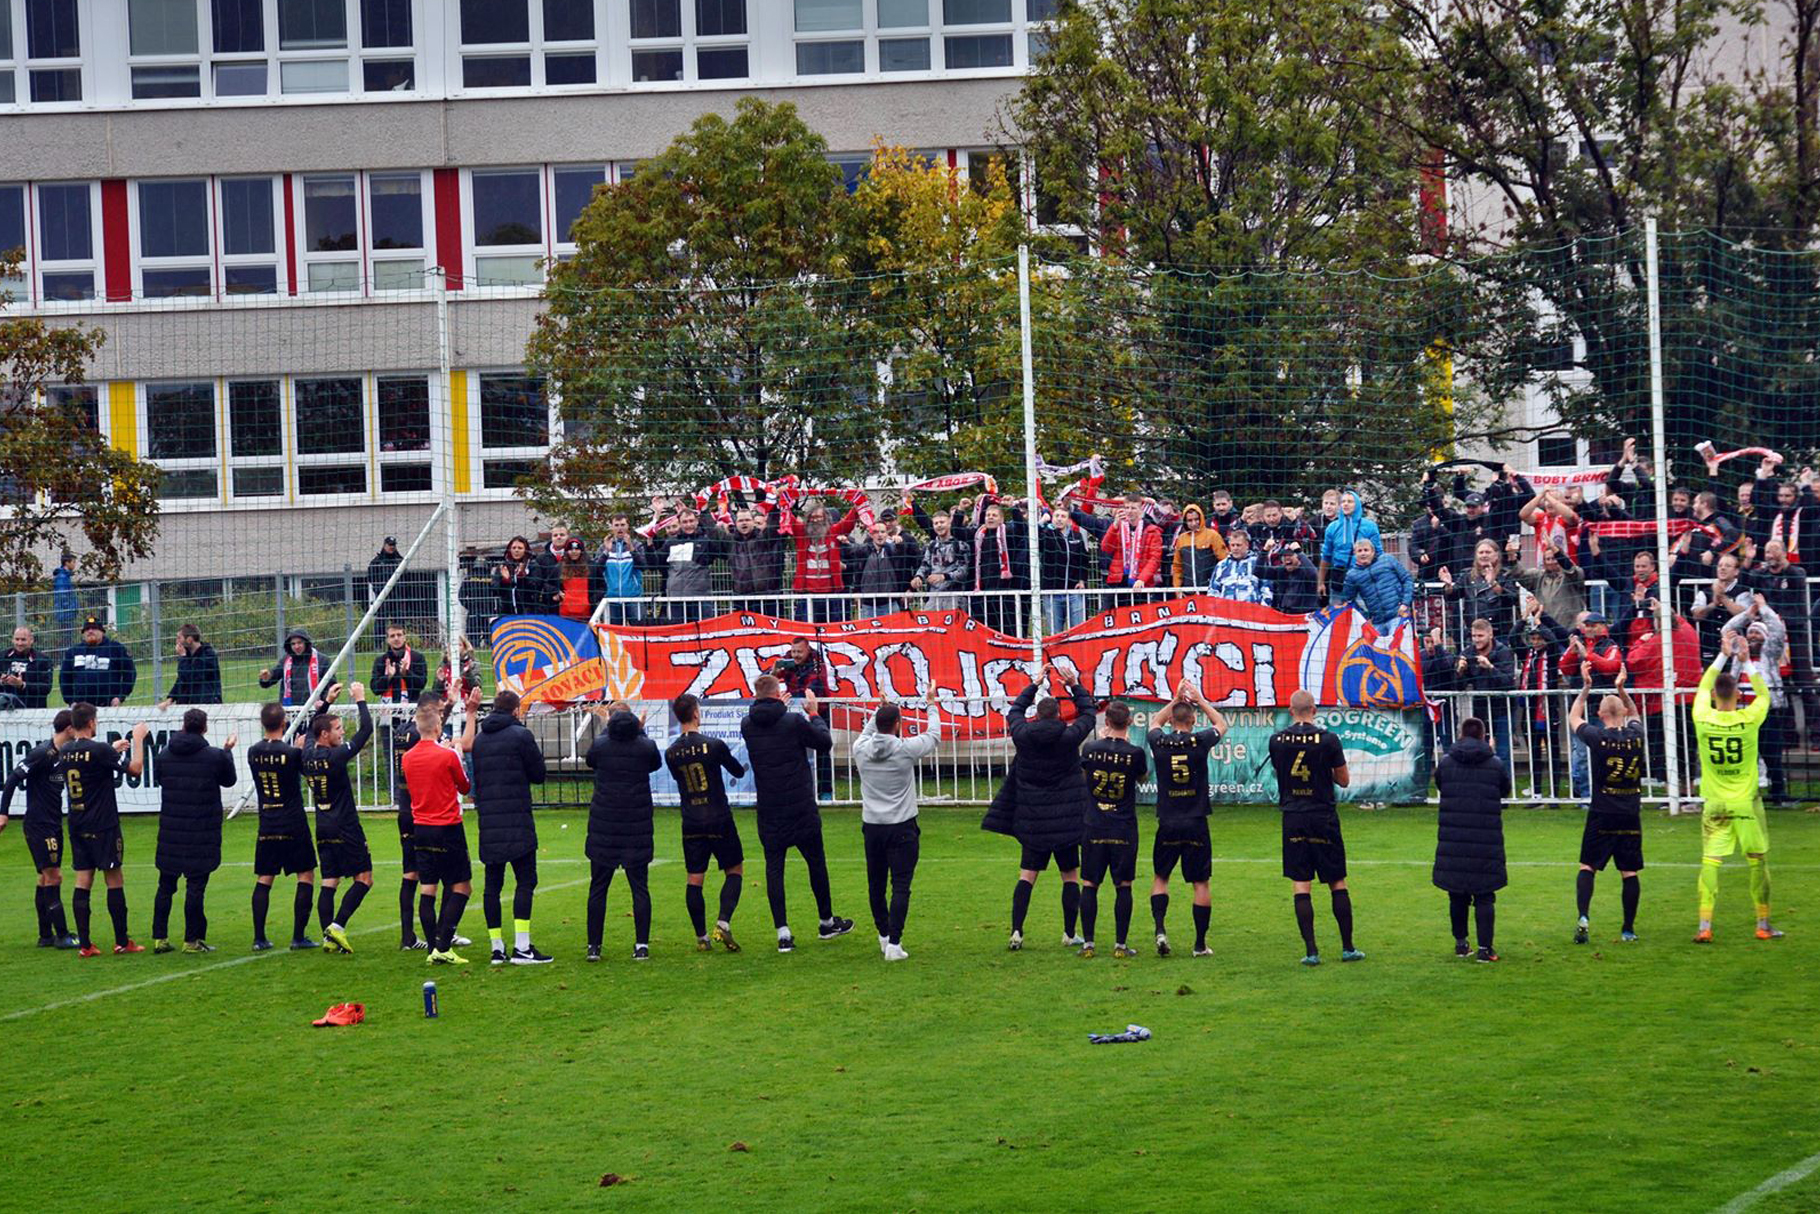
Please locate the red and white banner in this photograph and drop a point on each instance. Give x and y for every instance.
(1239, 654)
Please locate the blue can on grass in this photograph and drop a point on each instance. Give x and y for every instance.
(430, 1007)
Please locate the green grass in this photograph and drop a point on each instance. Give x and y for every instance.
(1657, 1075)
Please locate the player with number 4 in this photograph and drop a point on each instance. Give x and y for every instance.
(1732, 820)
(1614, 816)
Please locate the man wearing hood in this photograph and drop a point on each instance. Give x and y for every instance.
(198, 670)
(507, 762)
(1473, 785)
(619, 822)
(1338, 544)
(297, 670)
(778, 743)
(99, 670)
(1614, 822)
(191, 775)
(886, 763)
(25, 674)
(947, 564)
(1199, 548)
(1044, 802)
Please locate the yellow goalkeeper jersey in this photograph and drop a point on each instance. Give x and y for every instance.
(1727, 740)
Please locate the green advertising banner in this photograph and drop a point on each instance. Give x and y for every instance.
(1386, 753)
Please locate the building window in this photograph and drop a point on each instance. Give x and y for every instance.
(8, 90)
(67, 240)
(255, 411)
(329, 417)
(521, 43)
(1557, 451)
(508, 225)
(903, 54)
(180, 437)
(404, 433)
(827, 56)
(331, 227)
(573, 188)
(975, 51)
(162, 40)
(395, 201)
(173, 230)
(82, 400)
(316, 31)
(249, 242)
(514, 428)
(12, 240)
(53, 50)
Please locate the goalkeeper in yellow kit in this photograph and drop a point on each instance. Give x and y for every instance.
(1726, 736)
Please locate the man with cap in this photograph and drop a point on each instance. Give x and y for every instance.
(1460, 533)
(97, 669)
(380, 569)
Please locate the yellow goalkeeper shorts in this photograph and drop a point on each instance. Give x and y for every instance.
(1728, 826)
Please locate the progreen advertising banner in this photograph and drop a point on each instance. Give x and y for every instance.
(1386, 752)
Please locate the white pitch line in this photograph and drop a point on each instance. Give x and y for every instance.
(1775, 1184)
(126, 988)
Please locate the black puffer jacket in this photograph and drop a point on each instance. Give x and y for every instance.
(1046, 793)
(1469, 854)
(778, 743)
(507, 761)
(191, 775)
(619, 817)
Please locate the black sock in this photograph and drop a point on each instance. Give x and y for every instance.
(1304, 919)
(1203, 915)
(698, 908)
(1457, 906)
(1631, 891)
(1071, 907)
(1020, 903)
(325, 906)
(407, 894)
(116, 910)
(53, 901)
(300, 910)
(80, 902)
(729, 896)
(1159, 910)
(262, 901)
(1090, 910)
(1583, 891)
(43, 910)
(350, 901)
(453, 904)
(426, 915)
(1342, 915)
(1121, 912)
(1485, 914)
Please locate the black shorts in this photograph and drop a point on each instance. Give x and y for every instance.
(1185, 842)
(407, 846)
(1313, 849)
(1106, 853)
(1036, 859)
(344, 855)
(288, 853)
(103, 850)
(442, 854)
(721, 845)
(1612, 839)
(46, 848)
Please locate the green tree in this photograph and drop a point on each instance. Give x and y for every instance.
(58, 478)
(1565, 125)
(1263, 222)
(700, 330)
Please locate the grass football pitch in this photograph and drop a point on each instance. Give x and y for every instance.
(1657, 1075)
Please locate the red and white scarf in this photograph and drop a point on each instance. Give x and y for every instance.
(1706, 452)
(1787, 530)
(1131, 542)
(979, 547)
(315, 671)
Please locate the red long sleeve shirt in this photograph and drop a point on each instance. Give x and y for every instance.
(436, 779)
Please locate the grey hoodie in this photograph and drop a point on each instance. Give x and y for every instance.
(887, 770)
